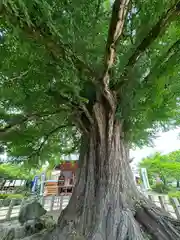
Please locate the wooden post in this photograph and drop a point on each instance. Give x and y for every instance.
(42, 201)
(8, 215)
(22, 203)
(1, 202)
(176, 206)
(162, 202)
(52, 203)
(151, 198)
(55, 201)
(61, 203)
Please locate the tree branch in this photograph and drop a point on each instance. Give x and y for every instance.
(162, 61)
(21, 75)
(61, 98)
(46, 137)
(153, 33)
(115, 31)
(60, 49)
(20, 120)
(131, 160)
(164, 21)
(75, 105)
(81, 126)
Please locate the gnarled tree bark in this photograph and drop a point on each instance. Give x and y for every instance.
(106, 204)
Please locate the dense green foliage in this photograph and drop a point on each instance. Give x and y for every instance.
(13, 171)
(10, 196)
(51, 60)
(166, 167)
(174, 194)
(6, 199)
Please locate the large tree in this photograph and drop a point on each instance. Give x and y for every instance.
(102, 75)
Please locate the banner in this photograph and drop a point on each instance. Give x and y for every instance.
(145, 179)
(35, 184)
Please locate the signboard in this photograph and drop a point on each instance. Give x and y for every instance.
(35, 182)
(145, 179)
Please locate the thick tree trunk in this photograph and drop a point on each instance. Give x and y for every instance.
(106, 204)
(104, 189)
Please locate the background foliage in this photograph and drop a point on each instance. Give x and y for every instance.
(14, 171)
(166, 167)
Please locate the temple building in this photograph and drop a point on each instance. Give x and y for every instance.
(63, 177)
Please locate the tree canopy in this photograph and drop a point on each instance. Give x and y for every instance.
(53, 55)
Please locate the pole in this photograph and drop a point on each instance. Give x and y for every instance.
(145, 179)
(43, 176)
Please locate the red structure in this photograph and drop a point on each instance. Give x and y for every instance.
(67, 166)
(67, 176)
(65, 181)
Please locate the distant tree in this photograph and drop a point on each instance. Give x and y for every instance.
(98, 77)
(167, 167)
(155, 167)
(175, 156)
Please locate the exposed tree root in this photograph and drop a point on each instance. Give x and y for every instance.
(158, 223)
(120, 226)
(149, 223)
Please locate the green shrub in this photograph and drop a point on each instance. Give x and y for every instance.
(3, 195)
(11, 196)
(7, 198)
(160, 188)
(15, 196)
(174, 194)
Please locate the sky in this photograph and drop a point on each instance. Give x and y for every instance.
(165, 143)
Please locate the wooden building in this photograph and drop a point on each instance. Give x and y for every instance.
(62, 180)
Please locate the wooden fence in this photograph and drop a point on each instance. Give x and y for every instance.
(55, 204)
(50, 203)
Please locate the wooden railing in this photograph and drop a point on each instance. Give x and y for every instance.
(50, 203)
(55, 189)
(55, 204)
